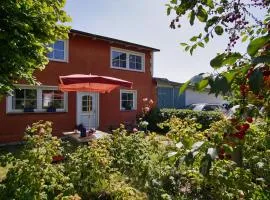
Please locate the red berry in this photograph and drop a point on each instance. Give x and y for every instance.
(221, 156)
(238, 127)
(245, 127)
(233, 120)
(249, 119)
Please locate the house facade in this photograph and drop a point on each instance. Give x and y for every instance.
(82, 53)
(169, 97)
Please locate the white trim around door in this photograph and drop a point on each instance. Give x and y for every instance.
(87, 109)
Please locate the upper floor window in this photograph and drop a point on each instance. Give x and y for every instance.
(129, 60)
(59, 52)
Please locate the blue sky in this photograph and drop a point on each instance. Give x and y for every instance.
(145, 22)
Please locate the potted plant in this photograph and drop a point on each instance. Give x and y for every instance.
(51, 108)
(28, 109)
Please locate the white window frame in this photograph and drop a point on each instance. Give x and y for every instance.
(66, 52)
(134, 92)
(39, 109)
(127, 52)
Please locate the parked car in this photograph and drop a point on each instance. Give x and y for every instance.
(206, 107)
(252, 110)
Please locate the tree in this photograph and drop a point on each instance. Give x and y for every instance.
(245, 76)
(27, 27)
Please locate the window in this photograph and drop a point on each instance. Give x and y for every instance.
(24, 99)
(128, 100)
(87, 103)
(59, 52)
(39, 99)
(52, 98)
(122, 59)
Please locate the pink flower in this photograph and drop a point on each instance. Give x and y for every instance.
(151, 101)
(146, 109)
(145, 99)
(135, 130)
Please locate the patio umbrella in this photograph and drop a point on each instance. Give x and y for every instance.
(91, 83)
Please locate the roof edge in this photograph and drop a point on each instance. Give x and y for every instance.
(113, 40)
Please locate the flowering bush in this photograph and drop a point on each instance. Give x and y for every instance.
(32, 175)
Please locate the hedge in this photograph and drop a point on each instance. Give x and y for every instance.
(205, 118)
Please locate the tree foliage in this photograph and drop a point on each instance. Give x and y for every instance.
(26, 29)
(243, 76)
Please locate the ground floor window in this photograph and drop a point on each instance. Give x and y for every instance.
(37, 99)
(128, 100)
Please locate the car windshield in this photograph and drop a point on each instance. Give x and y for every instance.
(198, 107)
(191, 106)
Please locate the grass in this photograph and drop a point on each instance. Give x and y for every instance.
(3, 173)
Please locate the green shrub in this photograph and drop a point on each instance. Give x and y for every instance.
(205, 118)
(89, 168)
(156, 116)
(32, 175)
(136, 156)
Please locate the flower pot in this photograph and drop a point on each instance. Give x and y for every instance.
(51, 109)
(28, 110)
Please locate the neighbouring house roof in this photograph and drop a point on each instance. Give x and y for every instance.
(166, 82)
(99, 37)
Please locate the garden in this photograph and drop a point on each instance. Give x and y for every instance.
(173, 154)
(194, 155)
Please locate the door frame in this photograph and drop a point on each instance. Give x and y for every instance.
(96, 94)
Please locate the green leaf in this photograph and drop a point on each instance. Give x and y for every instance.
(191, 17)
(210, 3)
(169, 10)
(202, 84)
(217, 61)
(201, 44)
(244, 38)
(196, 79)
(202, 14)
(224, 59)
(261, 59)
(183, 44)
(184, 87)
(218, 85)
(256, 81)
(205, 165)
(227, 148)
(187, 48)
(194, 39)
(220, 10)
(219, 30)
(257, 44)
(230, 76)
(231, 58)
(206, 39)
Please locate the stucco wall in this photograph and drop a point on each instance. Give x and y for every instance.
(86, 56)
(201, 97)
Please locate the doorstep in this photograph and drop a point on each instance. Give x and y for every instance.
(94, 136)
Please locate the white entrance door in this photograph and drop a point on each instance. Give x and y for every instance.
(87, 109)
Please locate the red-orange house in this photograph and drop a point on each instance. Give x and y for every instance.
(82, 53)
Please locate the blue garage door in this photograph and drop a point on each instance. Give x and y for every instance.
(165, 97)
(170, 98)
(179, 100)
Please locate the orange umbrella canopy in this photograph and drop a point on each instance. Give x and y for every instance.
(91, 83)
